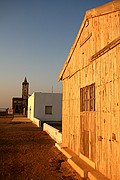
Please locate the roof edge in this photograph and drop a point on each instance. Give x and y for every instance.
(72, 48)
(98, 11)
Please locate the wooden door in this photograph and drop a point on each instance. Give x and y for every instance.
(88, 135)
(88, 122)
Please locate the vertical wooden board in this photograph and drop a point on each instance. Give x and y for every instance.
(92, 136)
(80, 58)
(64, 89)
(118, 61)
(98, 125)
(102, 83)
(85, 122)
(118, 72)
(93, 146)
(111, 99)
(113, 95)
(75, 89)
(114, 64)
(78, 134)
(102, 161)
(74, 61)
(96, 35)
(92, 122)
(77, 59)
(107, 126)
(78, 106)
(106, 141)
(64, 132)
(118, 152)
(99, 129)
(66, 114)
(71, 114)
(108, 75)
(92, 39)
(65, 122)
(63, 109)
(87, 75)
(78, 81)
(93, 71)
(113, 163)
(84, 54)
(118, 160)
(107, 29)
(118, 128)
(100, 42)
(97, 96)
(112, 119)
(118, 23)
(103, 86)
(115, 24)
(81, 133)
(76, 145)
(97, 72)
(81, 77)
(87, 80)
(114, 128)
(109, 148)
(86, 143)
(116, 106)
(88, 44)
(98, 143)
(106, 60)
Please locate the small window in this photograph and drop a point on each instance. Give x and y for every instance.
(48, 109)
(87, 98)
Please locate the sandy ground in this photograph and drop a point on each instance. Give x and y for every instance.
(28, 153)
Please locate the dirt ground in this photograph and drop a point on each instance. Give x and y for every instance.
(28, 153)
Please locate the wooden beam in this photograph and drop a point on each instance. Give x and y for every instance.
(107, 48)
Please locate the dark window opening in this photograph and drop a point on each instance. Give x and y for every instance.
(48, 109)
(87, 98)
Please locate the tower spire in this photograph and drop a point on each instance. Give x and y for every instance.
(25, 80)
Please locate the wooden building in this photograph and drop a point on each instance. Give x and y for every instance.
(91, 91)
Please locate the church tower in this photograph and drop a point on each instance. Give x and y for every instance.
(25, 89)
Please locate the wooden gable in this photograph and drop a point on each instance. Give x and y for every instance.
(95, 24)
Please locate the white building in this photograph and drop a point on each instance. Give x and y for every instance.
(46, 107)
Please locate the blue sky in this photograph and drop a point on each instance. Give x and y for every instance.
(35, 39)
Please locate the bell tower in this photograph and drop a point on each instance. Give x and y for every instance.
(25, 89)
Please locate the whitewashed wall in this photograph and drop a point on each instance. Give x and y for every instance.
(48, 99)
(36, 106)
(31, 107)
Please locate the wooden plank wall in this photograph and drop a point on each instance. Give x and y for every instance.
(107, 99)
(104, 71)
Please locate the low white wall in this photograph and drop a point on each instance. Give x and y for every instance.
(53, 132)
(37, 122)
